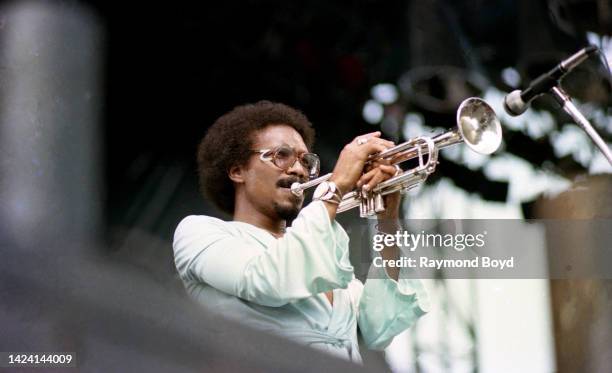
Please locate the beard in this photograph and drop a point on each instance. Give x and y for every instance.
(290, 210)
(287, 212)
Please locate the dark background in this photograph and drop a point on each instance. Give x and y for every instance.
(172, 70)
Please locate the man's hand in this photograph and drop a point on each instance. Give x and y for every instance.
(349, 170)
(388, 220)
(376, 172)
(350, 164)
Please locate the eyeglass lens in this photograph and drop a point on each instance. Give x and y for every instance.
(285, 158)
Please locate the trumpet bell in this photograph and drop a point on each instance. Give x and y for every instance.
(479, 126)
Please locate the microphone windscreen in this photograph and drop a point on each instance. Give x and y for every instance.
(514, 104)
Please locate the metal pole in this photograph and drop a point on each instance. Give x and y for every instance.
(566, 102)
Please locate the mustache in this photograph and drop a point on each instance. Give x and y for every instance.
(286, 182)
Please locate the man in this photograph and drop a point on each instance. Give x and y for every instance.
(298, 281)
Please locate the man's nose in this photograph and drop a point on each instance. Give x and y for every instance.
(298, 170)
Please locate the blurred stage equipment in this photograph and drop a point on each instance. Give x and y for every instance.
(51, 62)
(581, 305)
(516, 102)
(477, 126)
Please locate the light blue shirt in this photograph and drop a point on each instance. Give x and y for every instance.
(277, 284)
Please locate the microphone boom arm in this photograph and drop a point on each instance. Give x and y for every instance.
(568, 106)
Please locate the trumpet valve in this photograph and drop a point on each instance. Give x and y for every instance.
(363, 204)
(379, 203)
(363, 208)
(366, 204)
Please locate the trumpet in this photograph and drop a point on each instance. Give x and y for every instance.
(477, 126)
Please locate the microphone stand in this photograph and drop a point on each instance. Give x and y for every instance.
(566, 102)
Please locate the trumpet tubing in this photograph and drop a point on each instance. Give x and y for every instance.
(477, 126)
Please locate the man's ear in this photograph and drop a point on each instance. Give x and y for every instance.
(236, 174)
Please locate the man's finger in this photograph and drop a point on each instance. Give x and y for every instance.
(373, 164)
(373, 148)
(388, 169)
(376, 179)
(387, 143)
(367, 136)
(366, 177)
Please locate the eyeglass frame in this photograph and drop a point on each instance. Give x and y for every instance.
(262, 152)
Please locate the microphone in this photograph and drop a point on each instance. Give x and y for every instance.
(516, 102)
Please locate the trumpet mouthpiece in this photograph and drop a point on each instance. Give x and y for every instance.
(297, 190)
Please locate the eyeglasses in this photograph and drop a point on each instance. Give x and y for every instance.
(284, 157)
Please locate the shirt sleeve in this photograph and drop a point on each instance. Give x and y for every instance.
(387, 307)
(310, 258)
